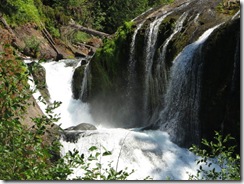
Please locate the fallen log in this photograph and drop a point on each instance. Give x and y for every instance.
(89, 30)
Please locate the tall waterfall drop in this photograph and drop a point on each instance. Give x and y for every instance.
(165, 79)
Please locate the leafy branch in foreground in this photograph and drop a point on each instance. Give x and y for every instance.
(27, 152)
(220, 162)
(91, 167)
(24, 152)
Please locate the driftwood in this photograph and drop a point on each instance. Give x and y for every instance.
(89, 30)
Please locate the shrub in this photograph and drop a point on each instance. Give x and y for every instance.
(218, 163)
(23, 154)
(91, 166)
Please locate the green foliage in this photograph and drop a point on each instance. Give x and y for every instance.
(159, 2)
(107, 60)
(80, 37)
(227, 7)
(32, 45)
(23, 154)
(20, 11)
(219, 154)
(91, 167)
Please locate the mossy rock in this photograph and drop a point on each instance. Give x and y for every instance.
(77, 80)
(39, 75)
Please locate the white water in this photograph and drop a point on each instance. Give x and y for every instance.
(152, 34)
(183, 94)
(149, 153)
(59, 78)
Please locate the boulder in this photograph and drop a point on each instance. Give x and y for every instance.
(82, 126)
(73, 133)
(77, 80)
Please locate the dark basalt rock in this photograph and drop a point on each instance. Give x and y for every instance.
(82, 126)
(77, 81)
(73, 133)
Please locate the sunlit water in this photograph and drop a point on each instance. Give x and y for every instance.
(149, 153)
(59, 78)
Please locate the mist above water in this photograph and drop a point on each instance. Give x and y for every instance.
(149, 153)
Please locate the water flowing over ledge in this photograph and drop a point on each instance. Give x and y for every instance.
(171, 93)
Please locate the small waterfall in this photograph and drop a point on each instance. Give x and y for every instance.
(180, 115)
(160, 80)
(150, 48)
(151, 39)
(84, 84)
(132, 61)
(59, 77)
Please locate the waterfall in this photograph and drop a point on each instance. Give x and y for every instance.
(151, 39)
(132, 78)
(160, 79)
(59, 77)
(180, 115)
(132, 61)
(84, 84)
(149, 153)
(151, 86)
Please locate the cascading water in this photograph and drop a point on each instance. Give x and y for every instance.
(160, 77)
(59, 77)
(152, 86)
(151, 39)
(180, 115)
(132, 61)
(149, 153)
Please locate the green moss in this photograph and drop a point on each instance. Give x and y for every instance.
(109, 61)
(229, 9)
(77, 80)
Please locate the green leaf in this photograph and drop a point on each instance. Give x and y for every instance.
(92, 148)
(107, 153)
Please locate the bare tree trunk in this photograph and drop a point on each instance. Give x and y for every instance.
(89, 31)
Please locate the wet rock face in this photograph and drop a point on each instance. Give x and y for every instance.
(220, 103)
(82, 126)
(80, 80)
(77, 81)
(110, 92)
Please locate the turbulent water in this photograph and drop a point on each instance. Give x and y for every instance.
(59, 78)
(149, 153)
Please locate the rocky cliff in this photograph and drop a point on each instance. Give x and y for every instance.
(130, 75)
